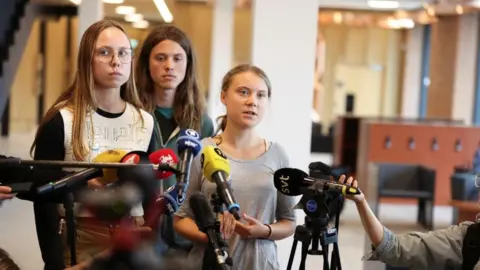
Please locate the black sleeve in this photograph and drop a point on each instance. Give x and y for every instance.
(152, 145)
(50, 146)
(13, 174)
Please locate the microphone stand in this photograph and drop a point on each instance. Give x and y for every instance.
(68, 204)
(216, 256)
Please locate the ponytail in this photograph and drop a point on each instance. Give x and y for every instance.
(222, 123)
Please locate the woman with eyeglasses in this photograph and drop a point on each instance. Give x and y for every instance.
(100, 111)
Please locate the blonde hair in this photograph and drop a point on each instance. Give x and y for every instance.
(79, 97)
(227, 80)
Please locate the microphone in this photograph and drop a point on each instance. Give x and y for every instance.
(164, 158)
(108, 176)
(217, 169)
(188, 146)
(142, 176)
(205, 220)
(111, 205)
(290, 181)
(169, 201)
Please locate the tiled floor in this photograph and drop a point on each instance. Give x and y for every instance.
(17, 230)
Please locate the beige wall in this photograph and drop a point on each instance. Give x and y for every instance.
(23, 97)
(367, 47)
(359, 46)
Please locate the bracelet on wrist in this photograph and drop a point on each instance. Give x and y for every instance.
(269, 231)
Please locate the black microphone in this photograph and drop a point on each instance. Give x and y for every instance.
(290, 181)
(188, 146)
(70, 180)
(205, 220)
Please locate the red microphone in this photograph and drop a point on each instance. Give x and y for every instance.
(164, 156)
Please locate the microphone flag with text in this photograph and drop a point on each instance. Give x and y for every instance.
(188, 146)
(164, 157)
(216, 169)
(291, 181)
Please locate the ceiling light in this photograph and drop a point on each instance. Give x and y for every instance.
(124, 10)
(163, 10)
(113, 1)
(400, 23)
(133, 17)
(76, 2)
(140, 24)
(383, 4)
(337, 17)
(459, 9)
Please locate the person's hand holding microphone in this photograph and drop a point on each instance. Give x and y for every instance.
(353, 183)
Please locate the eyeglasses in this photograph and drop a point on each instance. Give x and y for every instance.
(106, 56)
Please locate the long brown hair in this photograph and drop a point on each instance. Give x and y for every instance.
(227, 80)
(6, 262)
(79, 97)
(189, 103)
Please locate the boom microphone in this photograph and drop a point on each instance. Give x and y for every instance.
(108, 176)
(15, 162)
(164, 157)
(189, 146)
(290, 181)
(217, 169)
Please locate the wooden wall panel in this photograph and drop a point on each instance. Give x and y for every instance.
(443, 160)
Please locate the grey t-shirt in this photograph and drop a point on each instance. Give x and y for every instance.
(436, 250)
(252, 186)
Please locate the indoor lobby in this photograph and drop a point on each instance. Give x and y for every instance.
(373, 88)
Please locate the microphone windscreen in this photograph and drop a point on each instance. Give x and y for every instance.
(164, 156)
(289, 181)
(214, 160)
(115, 155)
(201, 211)
(189, 139)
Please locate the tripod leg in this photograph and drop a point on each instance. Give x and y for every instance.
(292, 254)
(305, 246)
(336, 263)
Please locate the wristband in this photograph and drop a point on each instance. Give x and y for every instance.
(269, 231)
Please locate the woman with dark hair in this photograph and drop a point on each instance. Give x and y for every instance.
(167, 83)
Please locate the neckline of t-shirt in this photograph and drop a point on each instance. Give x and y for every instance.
(111, 115)
(257, 159)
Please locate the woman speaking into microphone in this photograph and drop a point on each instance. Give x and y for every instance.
(267, 214)
(100, 111)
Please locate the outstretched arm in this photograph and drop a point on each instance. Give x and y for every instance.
(415, 250)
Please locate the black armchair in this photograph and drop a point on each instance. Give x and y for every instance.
(409, 181)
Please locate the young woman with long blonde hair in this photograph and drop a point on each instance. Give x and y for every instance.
(100, 111)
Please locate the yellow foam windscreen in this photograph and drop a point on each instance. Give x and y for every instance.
(115, 155)
(214, 160)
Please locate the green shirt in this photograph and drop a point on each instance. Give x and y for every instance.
(160, 142)
(165, 124)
